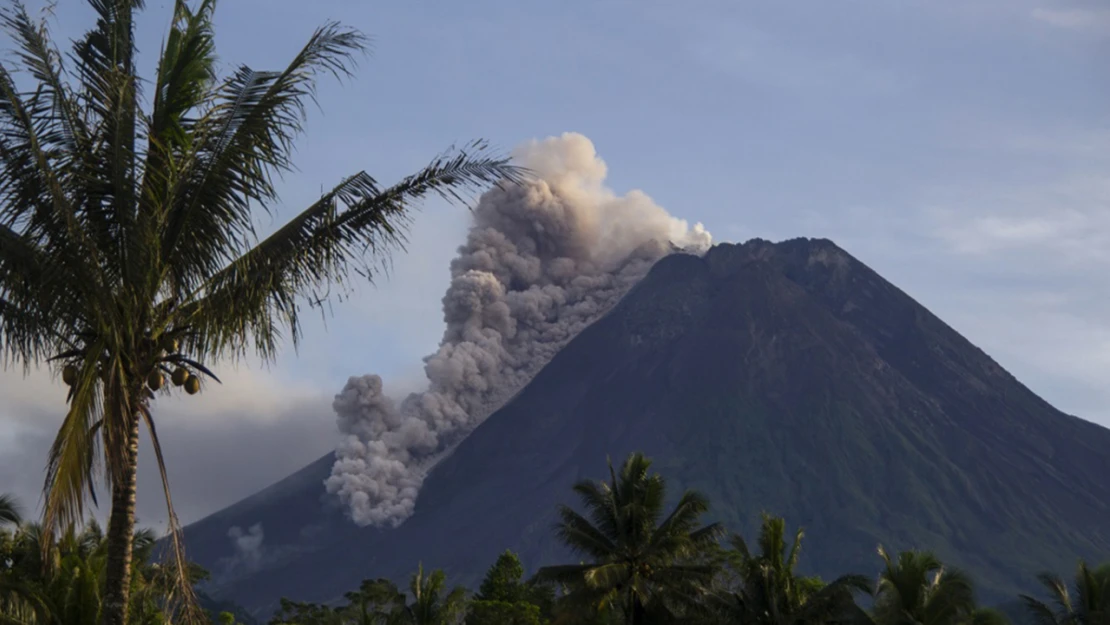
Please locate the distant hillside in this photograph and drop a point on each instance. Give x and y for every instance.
(783, 377)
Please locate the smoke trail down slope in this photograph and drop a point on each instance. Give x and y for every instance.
(541, 262)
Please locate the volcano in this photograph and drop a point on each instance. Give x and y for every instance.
(781, 377)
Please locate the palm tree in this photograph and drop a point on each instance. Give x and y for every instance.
(127, 237)
(376, 602)
(639, 559)
(919, 590)
(430, 606)
(65, 588)
(766, 589)
(10, 512)
(1090, 605)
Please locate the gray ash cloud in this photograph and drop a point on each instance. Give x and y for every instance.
(541, 262)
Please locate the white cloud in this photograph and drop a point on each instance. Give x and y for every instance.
(1074, 18)
(1065, 223)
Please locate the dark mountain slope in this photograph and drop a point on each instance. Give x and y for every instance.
(782, 377)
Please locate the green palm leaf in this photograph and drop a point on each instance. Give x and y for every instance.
(10, 510)
(641, 559)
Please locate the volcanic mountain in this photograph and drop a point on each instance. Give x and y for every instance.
(787, 378)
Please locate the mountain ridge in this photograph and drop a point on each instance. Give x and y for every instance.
(786, 377)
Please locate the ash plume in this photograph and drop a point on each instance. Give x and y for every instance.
(541, 262)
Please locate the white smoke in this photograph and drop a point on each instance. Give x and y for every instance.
(541, 262)
(247, 553)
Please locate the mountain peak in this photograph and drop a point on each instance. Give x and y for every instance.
(792, 256)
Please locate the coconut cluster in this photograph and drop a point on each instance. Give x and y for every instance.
(167, 353)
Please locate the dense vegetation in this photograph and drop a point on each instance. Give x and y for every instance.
(642, 563)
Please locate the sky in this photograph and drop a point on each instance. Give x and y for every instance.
(961, 148)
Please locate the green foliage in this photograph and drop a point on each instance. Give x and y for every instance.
(504, 581)
(504, 613)
(764, 588)
(432, 603)
(918, 588)
(61, 581)
(216, 609)
(380, 602)
(10, 513)
(504, 598)
(642, 561)
(1087, 603)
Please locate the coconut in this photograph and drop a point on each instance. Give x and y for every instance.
(192, 385)
(179, 376)
(170, 344)
(155, 380)
(69, 375)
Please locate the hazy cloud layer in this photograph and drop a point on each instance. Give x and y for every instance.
(219, 446)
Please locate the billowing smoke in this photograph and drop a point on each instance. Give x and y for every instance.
(247, 553)
(541, 262)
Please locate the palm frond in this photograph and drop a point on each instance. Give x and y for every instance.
(605, 576)
(599, 500)
(73, 455)
(580, 535)
(739, 547)
(25, 602)
(55, 101)
(185, 71)
(1058, 591)
(39, 310)
(682, 520)
(568, 574)
(33, 195)
(852, 583)
(260, 293)
(103, 61)
(952, 596)
(183, 598)
(10, 510)
(988, 616)
(242, 140)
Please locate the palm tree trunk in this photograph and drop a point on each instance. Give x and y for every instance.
(631, 616)
(121, 532)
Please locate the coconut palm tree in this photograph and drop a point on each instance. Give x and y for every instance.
(431, 603)
(128, 249)
(765, 588)
(917, 589)
(640, 560)
(1089, 605)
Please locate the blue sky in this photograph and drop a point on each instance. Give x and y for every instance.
(959, 147)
